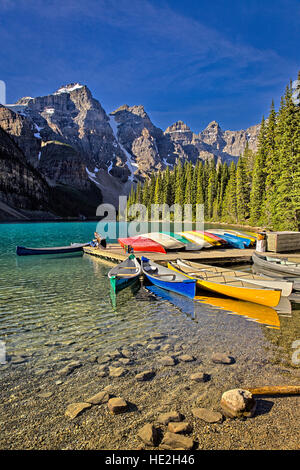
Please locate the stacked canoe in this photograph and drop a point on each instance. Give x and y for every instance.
(161, 242)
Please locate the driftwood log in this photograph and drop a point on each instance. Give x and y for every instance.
(275, 390)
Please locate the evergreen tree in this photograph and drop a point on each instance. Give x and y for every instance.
(257, 194)
(242, 205)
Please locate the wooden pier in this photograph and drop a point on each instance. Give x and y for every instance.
(220, 256)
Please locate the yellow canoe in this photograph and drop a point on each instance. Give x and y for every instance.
(237, 289)
(196, 238)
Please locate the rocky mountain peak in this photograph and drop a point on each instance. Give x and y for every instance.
(178, 126)
(69, 88)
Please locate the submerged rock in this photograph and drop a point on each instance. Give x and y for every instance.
(221, 358)
(168, 361)
(145, 375)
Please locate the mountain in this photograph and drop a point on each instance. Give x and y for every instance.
(75, 146)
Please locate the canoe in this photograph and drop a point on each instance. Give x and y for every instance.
(167, 241)
(165, 278)
(211, 239)
(286, 287)
(243, 235)
(57, 250)
(236, 242)
(237, 289)
(246, 240)
(216, 237)
(281, 265)
(125, 273)
(142, 244)
(188, 245)
(192, 237)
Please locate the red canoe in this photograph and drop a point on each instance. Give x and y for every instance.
(142, 244)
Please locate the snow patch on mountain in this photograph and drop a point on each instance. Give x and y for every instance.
(132, 166)
(68, 88)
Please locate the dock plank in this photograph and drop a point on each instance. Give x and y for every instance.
(115, 253)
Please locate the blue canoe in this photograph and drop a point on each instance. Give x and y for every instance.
(56, 250)
(168, 279)
(236, 242)
(246, 240)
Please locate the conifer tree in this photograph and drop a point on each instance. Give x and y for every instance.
(257, 194)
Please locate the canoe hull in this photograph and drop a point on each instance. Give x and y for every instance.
(23, 251)
(260, 261)
(118, 284)
(180, 285)
(125, 274)
(269, 298)
(286, 287)
(142, 244)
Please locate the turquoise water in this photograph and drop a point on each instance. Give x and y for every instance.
(62, 306)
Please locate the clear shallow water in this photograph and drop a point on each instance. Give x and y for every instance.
(59, 308)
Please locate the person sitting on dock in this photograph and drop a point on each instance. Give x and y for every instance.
(100, 242)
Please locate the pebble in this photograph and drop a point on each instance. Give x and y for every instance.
(69, 368)
(173, 441)
(167, 361)
(125, 361)
(126, 353)
(145, 375)
(171, 416)
(157, 336)
(238, 403)
(182, 427)
(221, 358)
(117, 371)
(99, 398)
(148, 434)
(74, 409)
(117, 405)
(153, 347)
(199, 377)
(207, 415)
(45, 394)
(186, 358)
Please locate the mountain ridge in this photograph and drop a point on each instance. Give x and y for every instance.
(70, 139)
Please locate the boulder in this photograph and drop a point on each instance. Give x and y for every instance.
(117, 405)
(238, 403)
(148, 434)
(173, 441)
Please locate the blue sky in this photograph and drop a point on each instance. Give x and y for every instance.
(195, 60)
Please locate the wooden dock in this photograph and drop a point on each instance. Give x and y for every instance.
(220, 256)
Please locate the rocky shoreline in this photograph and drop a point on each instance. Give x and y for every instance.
(157, 393)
